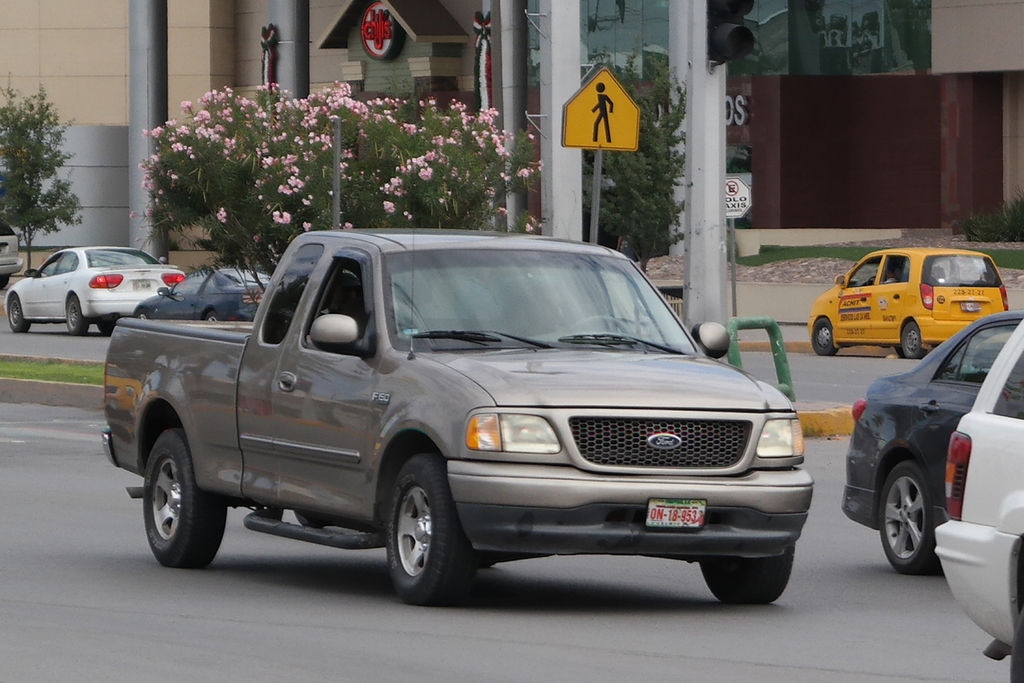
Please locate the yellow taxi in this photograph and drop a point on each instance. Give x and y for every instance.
(911, 299)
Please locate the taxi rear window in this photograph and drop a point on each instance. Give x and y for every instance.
(960, 270)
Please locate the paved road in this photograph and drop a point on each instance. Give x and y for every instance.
(82, 599)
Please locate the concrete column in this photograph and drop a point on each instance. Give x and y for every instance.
(562, 173)
(514, 49)
(147, 108)
(704, 288)
(292, 20)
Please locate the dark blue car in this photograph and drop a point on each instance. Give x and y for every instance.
(208, 294)
(896, 463)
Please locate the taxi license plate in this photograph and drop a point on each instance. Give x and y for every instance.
(142, 284)
(673, 513)
(970, 306)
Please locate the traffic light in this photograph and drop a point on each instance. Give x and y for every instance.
(728, 38)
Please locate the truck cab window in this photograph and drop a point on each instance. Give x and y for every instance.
(343, 293)
(286, 296)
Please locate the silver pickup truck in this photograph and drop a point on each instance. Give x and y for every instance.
(462, 399)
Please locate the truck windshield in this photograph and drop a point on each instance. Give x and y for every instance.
(555, 298)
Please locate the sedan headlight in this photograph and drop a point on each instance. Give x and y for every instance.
(781, 439)
(511, 433)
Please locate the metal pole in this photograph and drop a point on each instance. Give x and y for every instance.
(595, 195)
(336, 187)
(732, 261)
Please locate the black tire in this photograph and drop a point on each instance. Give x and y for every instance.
(210, 316)
(184, 525)
(15, 315)
(822, 339)
(910, 340)
(906, 523)
(77, 323)
(748, 580)
(4, 279)
(106, 327)
(1017, 663)
(429, 557)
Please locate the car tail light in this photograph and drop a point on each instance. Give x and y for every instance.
(1006, 302)
(958, 457)
(106, 281)
(858, 408)
(171, 279)
(927, 296)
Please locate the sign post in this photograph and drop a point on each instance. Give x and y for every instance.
(601, 115)
(737, 205)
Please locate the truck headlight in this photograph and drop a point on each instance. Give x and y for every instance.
(511, 433)
(781, 439)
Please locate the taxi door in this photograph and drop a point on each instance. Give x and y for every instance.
(858, 304)
(893, 295)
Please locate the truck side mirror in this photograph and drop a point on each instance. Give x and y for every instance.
(332, 329)
(713, 338)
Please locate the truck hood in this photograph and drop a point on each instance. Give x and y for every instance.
(599, 379)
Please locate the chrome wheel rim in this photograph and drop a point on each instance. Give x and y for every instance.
(166, 500)
(904, 518)
(414, 531)
(15, 312)
(73, 313)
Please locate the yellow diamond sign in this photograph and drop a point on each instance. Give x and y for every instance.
(601, 115)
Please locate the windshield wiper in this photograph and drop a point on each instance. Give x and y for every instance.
(615, 340)
(478, 337)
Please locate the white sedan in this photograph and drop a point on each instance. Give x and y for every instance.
(980, 545)
(86, 285)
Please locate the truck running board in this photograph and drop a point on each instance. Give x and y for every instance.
(332, 536)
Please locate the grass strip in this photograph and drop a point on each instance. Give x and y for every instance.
(53, 371)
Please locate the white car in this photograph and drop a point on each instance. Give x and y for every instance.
(980, 546)
(86, 285)
(10, 262)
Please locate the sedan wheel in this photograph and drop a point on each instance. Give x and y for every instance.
(77, 323)
(906, 523)
(15, 316)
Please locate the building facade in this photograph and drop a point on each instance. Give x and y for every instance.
(850, 113)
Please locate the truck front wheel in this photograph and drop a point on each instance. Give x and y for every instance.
(184, 525)
(429, 557)
(748, 580)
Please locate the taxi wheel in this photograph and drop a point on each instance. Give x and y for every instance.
(822, 339)
(910, 341)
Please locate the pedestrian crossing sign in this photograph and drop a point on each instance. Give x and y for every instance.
(601, 115)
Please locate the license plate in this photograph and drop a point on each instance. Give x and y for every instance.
(970, 306)
(673, 513)
(142, 284)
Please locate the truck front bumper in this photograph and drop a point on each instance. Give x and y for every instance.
(550, 510)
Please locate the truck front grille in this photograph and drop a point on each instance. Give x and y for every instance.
(625, 442)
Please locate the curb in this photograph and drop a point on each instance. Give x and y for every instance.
(84, 396)
(826, 421)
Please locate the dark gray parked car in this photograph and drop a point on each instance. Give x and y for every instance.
(895, 466)
(208, 294)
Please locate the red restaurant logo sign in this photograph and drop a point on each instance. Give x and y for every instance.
(382, 36)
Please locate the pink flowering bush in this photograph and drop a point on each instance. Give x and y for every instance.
(253, 172)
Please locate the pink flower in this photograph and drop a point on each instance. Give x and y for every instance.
(426, 173)
(282, 217)
(389, 207)
(222, 215)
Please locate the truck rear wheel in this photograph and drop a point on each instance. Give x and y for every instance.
(429, 557)
(184, 525)
(748, 580)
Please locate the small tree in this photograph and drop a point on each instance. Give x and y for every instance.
(36, 202)
(637, 200)
(254, 172)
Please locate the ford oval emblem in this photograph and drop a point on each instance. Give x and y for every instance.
(664, 441)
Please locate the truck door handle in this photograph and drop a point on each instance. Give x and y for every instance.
(286, 381)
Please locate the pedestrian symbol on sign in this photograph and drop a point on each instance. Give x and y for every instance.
(605, 106)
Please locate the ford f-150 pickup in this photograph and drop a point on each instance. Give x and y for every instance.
(461, 399)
